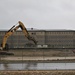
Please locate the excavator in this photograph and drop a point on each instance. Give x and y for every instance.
(4, 46)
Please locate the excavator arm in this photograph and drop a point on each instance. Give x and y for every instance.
(12, 30)
(21, 25)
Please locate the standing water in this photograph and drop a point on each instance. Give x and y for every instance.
(37, 66)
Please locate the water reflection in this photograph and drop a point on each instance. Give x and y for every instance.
(37, 66)
(6, 67)
(30, 66)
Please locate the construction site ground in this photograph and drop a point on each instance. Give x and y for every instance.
(12, 59)
(44, 55)
(49, 72)
(40, 55)
(43, 52)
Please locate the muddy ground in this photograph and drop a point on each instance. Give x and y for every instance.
(43, 52)
(34, 54)
(54, 72)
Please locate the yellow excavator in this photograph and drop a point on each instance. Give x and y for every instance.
(4, 47)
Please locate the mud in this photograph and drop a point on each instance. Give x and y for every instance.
(54, 72)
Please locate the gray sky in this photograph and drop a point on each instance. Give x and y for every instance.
(40, 14)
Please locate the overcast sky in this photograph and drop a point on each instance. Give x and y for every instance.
(40, 14)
